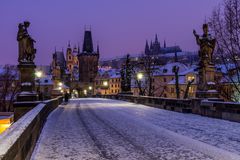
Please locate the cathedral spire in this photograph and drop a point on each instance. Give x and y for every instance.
(156, 38)
(87, 43)
(147, 49)
(151, 46)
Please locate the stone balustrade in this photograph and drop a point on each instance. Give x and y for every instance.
(215, 109)
(18, 141)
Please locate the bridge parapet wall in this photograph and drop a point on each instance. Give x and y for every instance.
(215, 109)
(18, 142)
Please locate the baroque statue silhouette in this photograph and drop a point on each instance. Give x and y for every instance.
(207, 44)
(26, 44)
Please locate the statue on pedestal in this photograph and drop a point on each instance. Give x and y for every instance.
(27, 97)
(25, 44)
(207, 44)
(206, 86)
(26, 55)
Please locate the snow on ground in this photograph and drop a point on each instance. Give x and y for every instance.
(109, 129)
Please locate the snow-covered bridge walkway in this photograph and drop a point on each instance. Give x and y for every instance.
(95, 128)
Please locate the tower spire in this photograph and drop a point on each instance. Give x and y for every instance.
(87, 43)
(147, 49)
(156, 38)
(165, 45)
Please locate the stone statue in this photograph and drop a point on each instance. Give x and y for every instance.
(207, 44)
(206, 87)
(25, 44)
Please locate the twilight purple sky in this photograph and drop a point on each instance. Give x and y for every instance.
(120, 26)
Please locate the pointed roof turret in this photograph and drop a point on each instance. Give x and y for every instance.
(87, 43)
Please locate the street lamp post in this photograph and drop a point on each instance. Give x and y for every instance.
(90, 90)
(105, 85)
(139, 78)
(60, 87)
(38, 75)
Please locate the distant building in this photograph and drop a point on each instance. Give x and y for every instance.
(88, 60)
(164, 83)
(76, 69)
(156, 49)
(72, 62)
(45, 86)
(108, 81)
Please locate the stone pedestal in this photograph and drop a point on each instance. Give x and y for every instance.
(206, 85)
(27, 79)
(27, 98)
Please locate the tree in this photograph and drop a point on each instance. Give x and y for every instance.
(9, 87)
(126, 72)
(147, 65)
(225, 23)
(189, 83)
(176, 70)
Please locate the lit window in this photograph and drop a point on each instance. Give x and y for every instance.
(190, 78)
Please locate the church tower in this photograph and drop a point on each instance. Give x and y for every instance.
(156, 48)
(69, 58)
(88, 61)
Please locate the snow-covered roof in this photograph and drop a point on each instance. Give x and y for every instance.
(191, 69)
(168, 69)
(46, 80)
(224, 68)
(110, 73)
(179, 54)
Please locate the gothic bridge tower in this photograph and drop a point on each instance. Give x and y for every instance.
(88, 62)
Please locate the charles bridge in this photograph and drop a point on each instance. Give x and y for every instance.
(18, 142)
